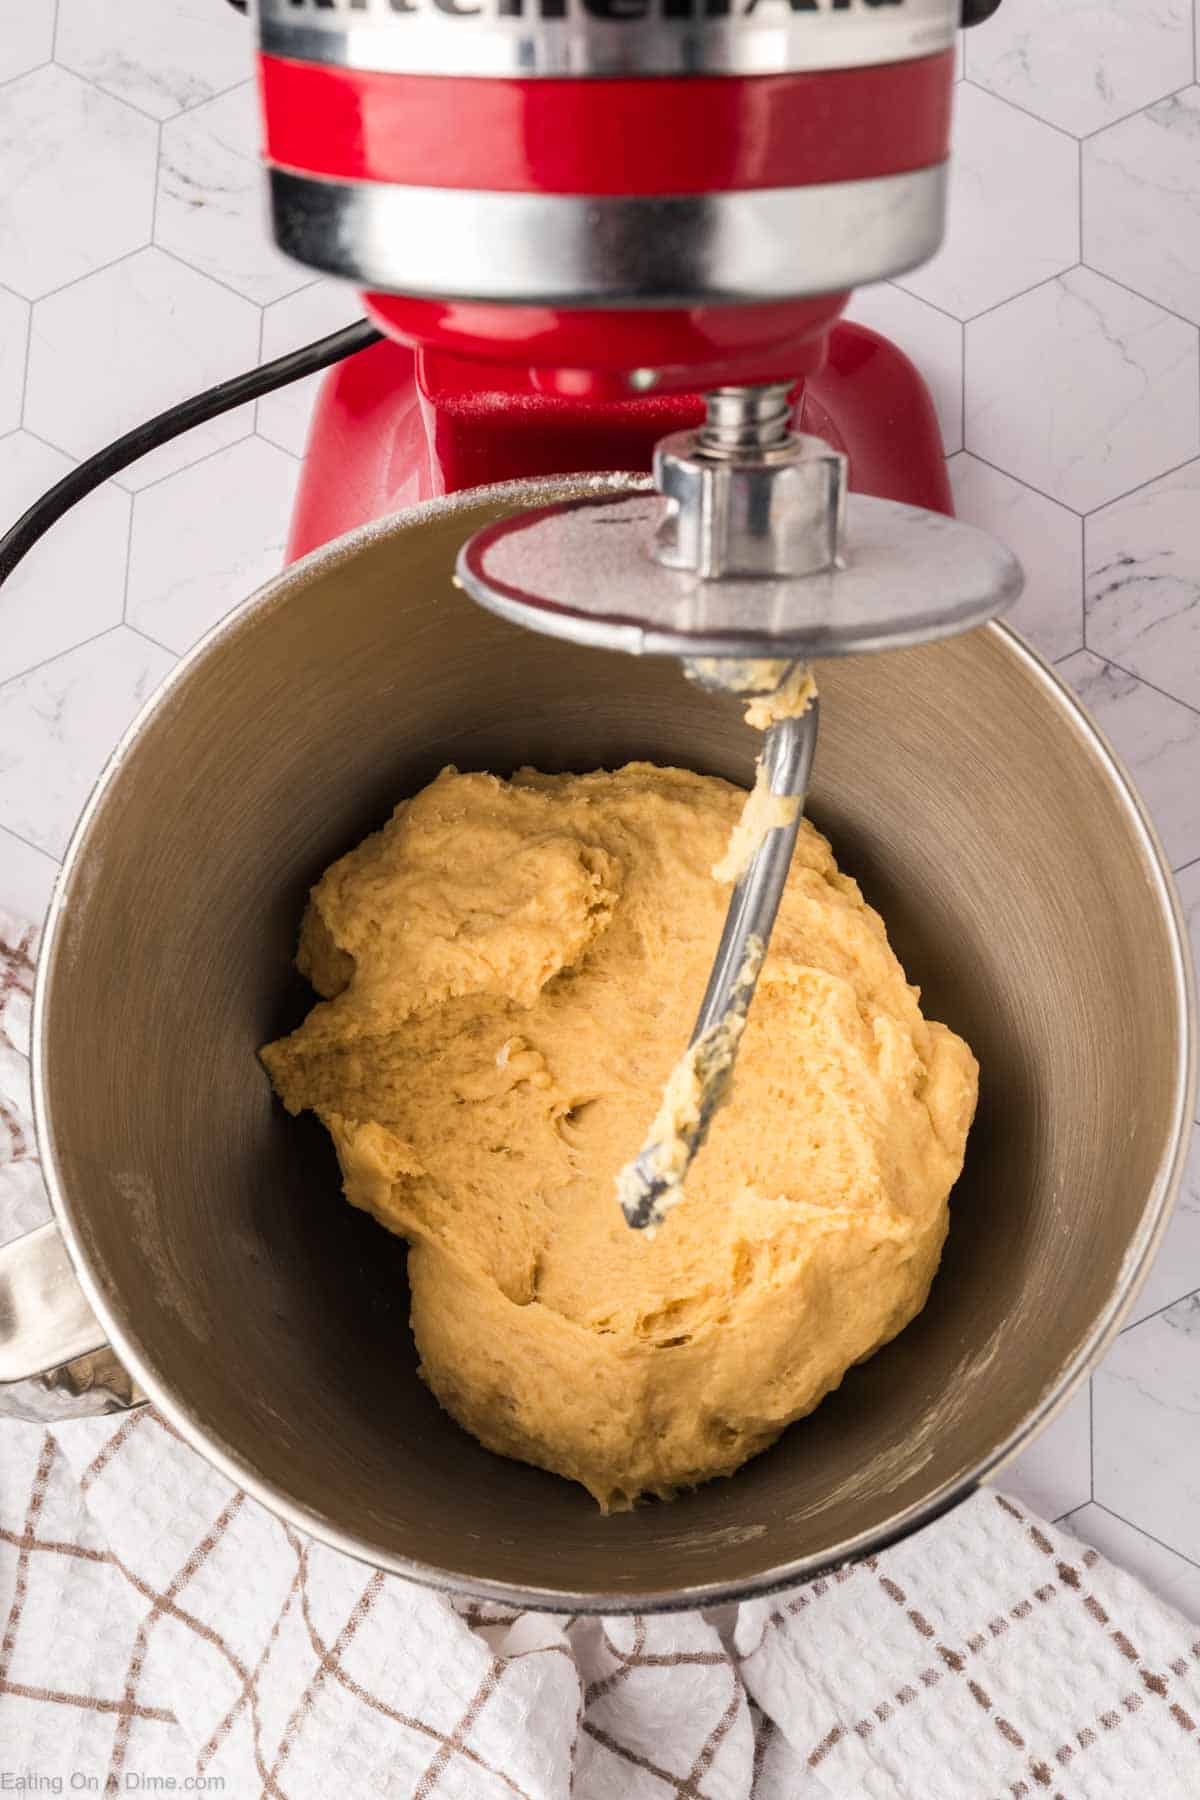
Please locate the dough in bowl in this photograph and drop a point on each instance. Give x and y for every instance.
(509, 970)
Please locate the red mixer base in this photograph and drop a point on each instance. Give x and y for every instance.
(392, 427)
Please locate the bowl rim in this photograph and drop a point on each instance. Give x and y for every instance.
(210, 1444)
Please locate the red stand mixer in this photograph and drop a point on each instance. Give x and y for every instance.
(617, 235)
(571, 218)
(574, 218)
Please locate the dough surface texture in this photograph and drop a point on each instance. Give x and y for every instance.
(508, 971)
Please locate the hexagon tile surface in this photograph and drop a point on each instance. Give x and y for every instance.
(1054, 1475)
(1156, 737)
(211, 209)
(58, 725)
(1046, 537)
(73, 155)
(204, 533)
(14, 348)
(1082, 448)
(1141, 202)
(1147, 1403)
(116, 348)
(71, 585)
(28, 876)
(1143, 582)
(1082, 389)
(28, 37)
(159, 55)
(1188, 880)
(1083, 63)
(1014, 208)
(1176, 1271)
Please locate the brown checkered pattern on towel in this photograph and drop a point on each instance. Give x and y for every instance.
(156, 1623)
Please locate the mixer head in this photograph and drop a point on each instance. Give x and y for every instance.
(667, 193)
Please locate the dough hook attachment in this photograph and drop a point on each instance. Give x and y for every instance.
(745, 559)
(653, 1182)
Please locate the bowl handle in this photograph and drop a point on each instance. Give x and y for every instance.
(54, 1360)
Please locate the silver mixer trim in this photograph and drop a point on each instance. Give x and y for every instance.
(605, 37)
(745, 494)
(750, 245)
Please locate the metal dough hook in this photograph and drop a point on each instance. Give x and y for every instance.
(748, 559)
(652, 1183)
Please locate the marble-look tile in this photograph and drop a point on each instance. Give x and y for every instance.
(71, 585)
(58, 726)
(206, 538)
(1141, 202)
(326, 306)
(113, 350)
(1171, 1576)
(933, 341)
(1048, 541)
(1188, 883)
(1157, 739)
(24, 1205)
(1146, 1397)
(28, 37)
(212, 208)
(1055, 1474)
(27, 878)
(1176, 1269)
(23, 1201)
(14, 342)
(1082, 389)
(160, 55)
(1014, 208)
(22, 932)
(1083, 63)
(78, 180)
(1142, 591)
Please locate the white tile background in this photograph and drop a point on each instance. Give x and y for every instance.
(1057, 329)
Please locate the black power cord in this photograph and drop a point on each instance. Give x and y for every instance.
(20, 538)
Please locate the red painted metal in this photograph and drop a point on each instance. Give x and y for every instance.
(391, 428)
(577, 353)
(368, 450)
(655, 135)
(872, 402)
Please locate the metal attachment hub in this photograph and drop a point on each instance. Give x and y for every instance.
(745, 495)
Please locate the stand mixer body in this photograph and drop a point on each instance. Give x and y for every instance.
(576, 214)
(392, 427)
(572, 217)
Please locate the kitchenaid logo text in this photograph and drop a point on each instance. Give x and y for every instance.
(374, 10)
(523, 38)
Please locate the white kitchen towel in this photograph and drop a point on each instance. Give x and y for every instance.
(163, 1633)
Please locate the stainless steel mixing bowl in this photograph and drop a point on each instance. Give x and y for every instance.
(961, 784)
